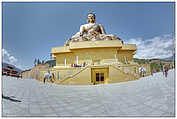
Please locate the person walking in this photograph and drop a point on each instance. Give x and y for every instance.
(46, 76)
(166, 72)
(162, 70)
(152, 72)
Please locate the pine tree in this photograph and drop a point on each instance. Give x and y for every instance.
(38, 61)
(35, 61)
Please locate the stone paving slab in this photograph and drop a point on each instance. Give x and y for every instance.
(149, 96)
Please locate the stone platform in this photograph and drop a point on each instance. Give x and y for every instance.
(149, 96)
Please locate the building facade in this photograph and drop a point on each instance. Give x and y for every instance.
(94, 62)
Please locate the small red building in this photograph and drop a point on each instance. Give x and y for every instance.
(9, 71)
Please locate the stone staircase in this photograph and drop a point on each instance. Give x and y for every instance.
(73, 75)
(128, 74)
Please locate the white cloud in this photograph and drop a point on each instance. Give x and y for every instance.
(8, 58)
(157, 47)
(4, 52)
(12, 59)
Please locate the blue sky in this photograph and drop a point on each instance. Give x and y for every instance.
(30, 30)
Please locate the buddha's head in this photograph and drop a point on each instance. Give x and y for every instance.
(91, 18)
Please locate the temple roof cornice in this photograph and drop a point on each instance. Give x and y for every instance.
(93, 45)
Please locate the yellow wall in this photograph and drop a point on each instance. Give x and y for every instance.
(89, 55)
(82, 78)
(60, 59)
(127, 53)
(116, 75)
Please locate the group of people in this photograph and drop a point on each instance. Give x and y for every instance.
(165, 71)
(142, 71)
(49, 75)
(79, 65)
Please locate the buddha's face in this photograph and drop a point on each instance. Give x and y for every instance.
(91, 18)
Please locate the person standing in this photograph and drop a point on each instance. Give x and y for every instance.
(166, 72)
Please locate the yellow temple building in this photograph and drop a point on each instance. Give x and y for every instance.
(88, 60)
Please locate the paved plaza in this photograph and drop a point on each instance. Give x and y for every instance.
(148, 96)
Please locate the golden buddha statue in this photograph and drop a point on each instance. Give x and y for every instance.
(91, 32)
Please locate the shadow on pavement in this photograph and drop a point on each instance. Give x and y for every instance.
(9, 98)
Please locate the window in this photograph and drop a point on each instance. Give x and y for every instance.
(97, 76)
(58, 75)
(96, 62)
(65, 62)
(135, 70)
(102, 76)
(69, 73)
(125, 60)
(77, 60)
(86, 63)
(115, 58)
